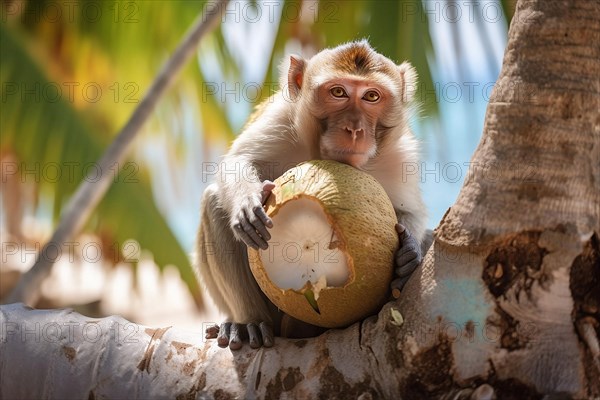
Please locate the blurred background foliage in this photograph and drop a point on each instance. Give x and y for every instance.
(72, 72)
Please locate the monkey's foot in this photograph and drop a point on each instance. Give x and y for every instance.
(233, 335)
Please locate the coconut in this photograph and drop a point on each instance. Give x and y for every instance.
(330, 256)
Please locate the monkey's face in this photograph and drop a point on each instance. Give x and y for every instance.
(351, 99)
(349, 110)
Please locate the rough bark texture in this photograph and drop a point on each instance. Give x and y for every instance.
(506, 301)
(537, 164)
(529, 214)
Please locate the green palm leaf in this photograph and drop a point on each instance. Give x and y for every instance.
(51, 133)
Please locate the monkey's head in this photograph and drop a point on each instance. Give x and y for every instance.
(352, 98)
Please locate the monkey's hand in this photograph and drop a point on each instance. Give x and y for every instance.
(407, 259)
(232, 335)
(250, 221)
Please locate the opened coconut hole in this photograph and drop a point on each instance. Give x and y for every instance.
(304, 249)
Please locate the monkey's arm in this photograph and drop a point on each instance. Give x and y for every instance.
(255, 158)
(244, 182)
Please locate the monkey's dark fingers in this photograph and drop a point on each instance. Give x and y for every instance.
(398, 284)
(407, 269)
(267, 334)
(254, 336)
(404, 257)
(258, 221)
(403, 232)
(223, 338)
(244, 236)
(409, 248)
(264, 218)
(254, 239)
(409, 244)
(236, 336)
(211, 332)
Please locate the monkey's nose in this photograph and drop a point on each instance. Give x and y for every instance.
(355, 133)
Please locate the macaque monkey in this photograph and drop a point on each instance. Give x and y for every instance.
(348, 104)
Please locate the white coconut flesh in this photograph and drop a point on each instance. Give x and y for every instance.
(304, 248)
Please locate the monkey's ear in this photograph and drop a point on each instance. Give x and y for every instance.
(408, 76)
(295, 75)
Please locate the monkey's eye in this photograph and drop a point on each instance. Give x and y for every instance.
(338, 92)
(371, 96)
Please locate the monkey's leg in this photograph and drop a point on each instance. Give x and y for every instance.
(223, 266)
(203, 248)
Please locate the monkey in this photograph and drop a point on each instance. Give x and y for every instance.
(349, 104)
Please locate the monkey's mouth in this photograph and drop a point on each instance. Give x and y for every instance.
(349, 152)
(353, 157)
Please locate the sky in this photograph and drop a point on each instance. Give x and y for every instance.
(464, 83)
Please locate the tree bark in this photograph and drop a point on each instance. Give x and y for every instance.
(527, 220)
(505, 303)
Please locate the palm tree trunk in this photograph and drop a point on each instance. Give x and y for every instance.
(525, 226)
